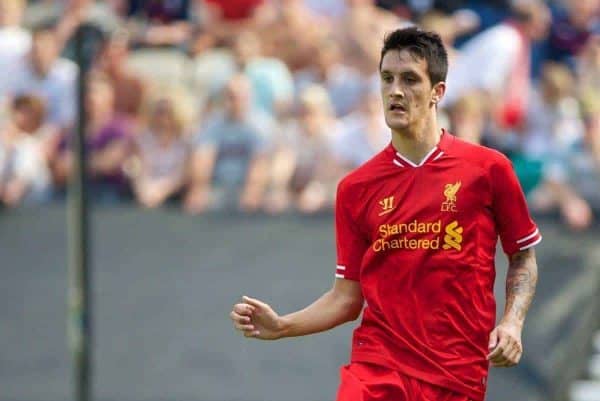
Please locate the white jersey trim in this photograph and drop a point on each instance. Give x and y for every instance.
(530, 236)
(537, 241)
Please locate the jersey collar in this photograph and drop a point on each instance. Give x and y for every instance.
(436, 153)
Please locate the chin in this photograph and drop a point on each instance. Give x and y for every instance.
(397, 125)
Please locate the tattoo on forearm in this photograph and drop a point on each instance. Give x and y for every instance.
(520, 284)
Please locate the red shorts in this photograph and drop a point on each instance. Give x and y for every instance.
(367, 382)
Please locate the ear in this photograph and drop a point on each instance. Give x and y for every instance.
(437, 92)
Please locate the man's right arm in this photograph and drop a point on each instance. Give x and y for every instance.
(341, 304)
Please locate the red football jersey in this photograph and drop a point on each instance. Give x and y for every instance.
(421, 240)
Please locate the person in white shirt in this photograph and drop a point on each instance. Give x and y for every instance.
(15, 41)
(43, 73)
(25, 177)
(497, 61)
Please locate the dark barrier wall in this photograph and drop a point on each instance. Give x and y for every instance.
(164, 283)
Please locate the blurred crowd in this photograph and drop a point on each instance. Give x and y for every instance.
(263, 105)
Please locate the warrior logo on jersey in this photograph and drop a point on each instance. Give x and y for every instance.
(387, 205)
(450, 191)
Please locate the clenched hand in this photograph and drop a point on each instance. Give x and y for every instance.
(256, 319)
(505, 345)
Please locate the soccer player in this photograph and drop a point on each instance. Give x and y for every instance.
(417, 228)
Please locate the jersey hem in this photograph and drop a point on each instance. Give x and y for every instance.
(377, 359)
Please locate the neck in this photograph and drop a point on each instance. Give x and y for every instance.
(417, 141)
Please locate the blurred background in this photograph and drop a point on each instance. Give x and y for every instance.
(216, 133)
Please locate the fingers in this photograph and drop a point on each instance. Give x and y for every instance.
(497, 353)
(514, 357)
(239, 318)
(241, 315)
(243, 324)
(244, 327)
(255, 302)
(493, 340)
(244, 309)
(251, 334)
(507, 353)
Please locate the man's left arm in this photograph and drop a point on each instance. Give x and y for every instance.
(505, 343)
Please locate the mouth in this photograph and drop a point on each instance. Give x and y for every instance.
(397, 108)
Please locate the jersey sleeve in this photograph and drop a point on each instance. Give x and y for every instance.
(514, 224)
(350, 243)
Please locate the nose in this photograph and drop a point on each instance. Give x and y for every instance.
(396, 90)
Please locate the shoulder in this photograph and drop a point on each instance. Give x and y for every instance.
(260, 123)
(361, 177)
(478, 155)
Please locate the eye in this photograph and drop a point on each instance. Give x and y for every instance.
(410, 79)
(387, 78)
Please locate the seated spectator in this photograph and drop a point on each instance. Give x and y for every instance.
(162, 153)
(15, 41)
(230, 164)
(588, 89)
(159, 22)
(129, 88)
(272, 82)
(504, 50)
(108, 145)
(343, 83)
(46, 75)
(363, 133)
(587, 69)
(304, 173)
(25, 176)
(572, 28)
(557, 137)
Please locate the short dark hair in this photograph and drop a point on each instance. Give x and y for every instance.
(33, 103)
(425, 45)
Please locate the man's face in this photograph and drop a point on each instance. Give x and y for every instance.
(405, 89)
(581, 12)
(44, 51)
(115, 54)
(163, 116)
(100, 98)
(327, 57)
(237, 97)
(539, 24)
(246, 47)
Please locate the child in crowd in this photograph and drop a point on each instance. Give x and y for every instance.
(24, 174)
